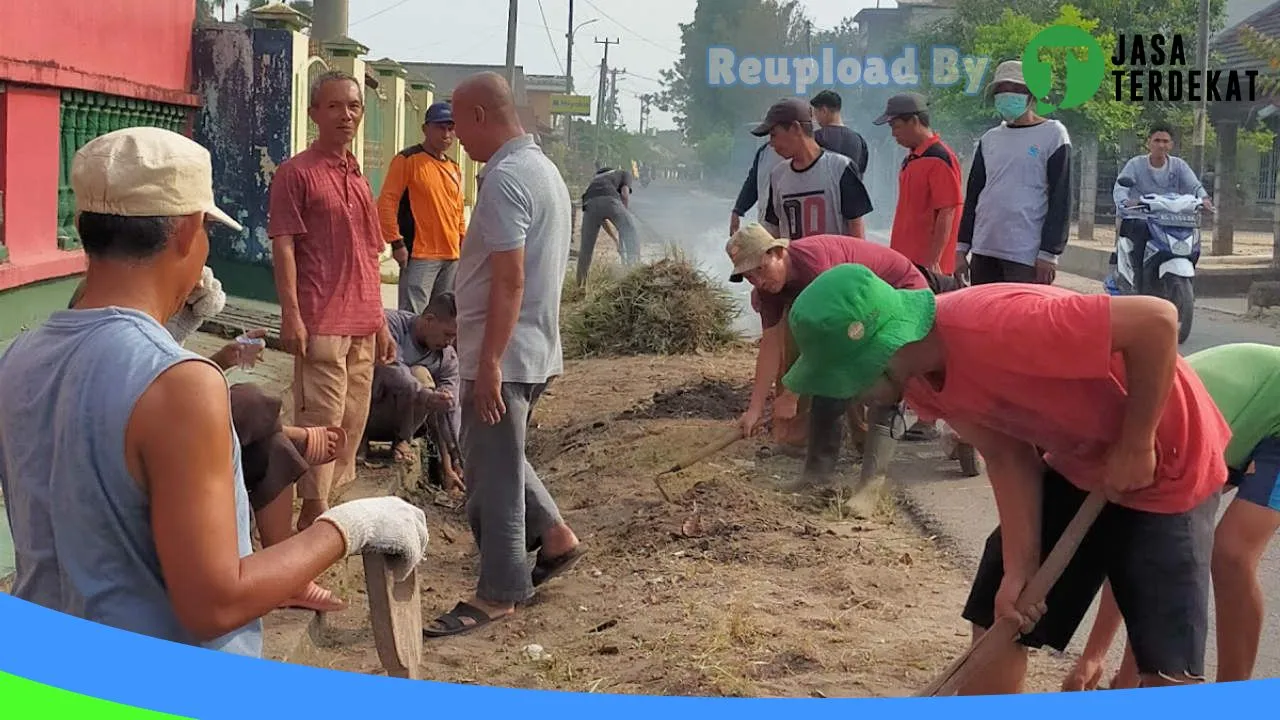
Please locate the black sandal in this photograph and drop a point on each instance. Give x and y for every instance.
(545, 570)
(452, 621)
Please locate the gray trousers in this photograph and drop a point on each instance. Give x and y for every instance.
(594, 213)
(508, 507)
(422, 280)
(397, 405)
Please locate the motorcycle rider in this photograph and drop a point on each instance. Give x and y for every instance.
(1156, 172)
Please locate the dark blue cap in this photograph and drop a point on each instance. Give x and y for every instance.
(441, 112)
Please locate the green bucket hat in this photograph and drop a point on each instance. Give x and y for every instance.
(847, 325)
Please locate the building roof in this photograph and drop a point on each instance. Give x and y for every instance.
(1231, 52)
(446, 76)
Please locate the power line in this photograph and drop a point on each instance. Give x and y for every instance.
(384, 10)
(624, 27)
(550, 39)
(645, 77)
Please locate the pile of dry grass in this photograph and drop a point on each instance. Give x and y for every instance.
(668, 307)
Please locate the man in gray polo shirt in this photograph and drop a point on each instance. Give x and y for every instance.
(510, 272)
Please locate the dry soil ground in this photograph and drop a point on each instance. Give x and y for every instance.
(740, 590)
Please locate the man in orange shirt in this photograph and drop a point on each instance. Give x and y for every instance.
(421, 209)
(930, 191)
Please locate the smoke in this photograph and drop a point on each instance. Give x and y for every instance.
(707, 218)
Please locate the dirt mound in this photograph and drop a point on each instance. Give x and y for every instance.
(709, 399)
(664, 308)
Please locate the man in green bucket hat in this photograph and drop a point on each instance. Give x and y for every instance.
(1063, 394)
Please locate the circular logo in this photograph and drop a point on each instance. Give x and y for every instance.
(1081, 77)
(856, 330)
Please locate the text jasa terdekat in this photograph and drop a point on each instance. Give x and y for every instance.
(1155, 69)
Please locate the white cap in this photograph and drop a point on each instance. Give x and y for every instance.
(1009, 71)
(145, 171)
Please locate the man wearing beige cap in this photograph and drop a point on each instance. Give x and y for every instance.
(779, 269)
(815, 192)
(1017, 209)
(118, 459)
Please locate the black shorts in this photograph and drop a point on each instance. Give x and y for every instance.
(1259, 482)
(984, 270)
(1158, 566)
(939, 282)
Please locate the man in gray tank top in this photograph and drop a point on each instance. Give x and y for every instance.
(815, 192)
(118, 459)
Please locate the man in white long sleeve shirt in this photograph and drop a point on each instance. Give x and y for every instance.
(1156, 172)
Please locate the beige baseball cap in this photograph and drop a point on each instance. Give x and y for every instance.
(748, 247)
(145, 171)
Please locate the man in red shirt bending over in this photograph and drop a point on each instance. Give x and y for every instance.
(1094, 381)
(779, 270)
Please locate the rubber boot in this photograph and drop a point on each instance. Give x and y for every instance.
(826, 434)
(881, 446)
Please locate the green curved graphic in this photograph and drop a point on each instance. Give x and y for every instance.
(1082, 78)
(24, 699)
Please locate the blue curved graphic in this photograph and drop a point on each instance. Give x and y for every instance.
(100, 662)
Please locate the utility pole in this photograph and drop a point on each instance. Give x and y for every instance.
(568, 84)
(568, 60)
(604, 74)
(513, 15)
(808, 37)
(1202, 112)
(613, 96)
(644, 110)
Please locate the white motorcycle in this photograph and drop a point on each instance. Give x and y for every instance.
(1168, 266)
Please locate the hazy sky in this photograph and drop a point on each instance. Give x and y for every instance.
(474, 31)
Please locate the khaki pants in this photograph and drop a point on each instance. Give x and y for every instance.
(331, 386)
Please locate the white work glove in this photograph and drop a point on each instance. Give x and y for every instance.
(205, 301)
(384, 525)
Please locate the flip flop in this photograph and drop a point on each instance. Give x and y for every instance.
(315, 598)
(317, 440)
(402, 456)
(452, 621)
(547, 570)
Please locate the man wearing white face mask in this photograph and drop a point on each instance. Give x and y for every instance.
(1017, 209)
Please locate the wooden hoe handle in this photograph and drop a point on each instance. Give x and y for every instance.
(1005, 630)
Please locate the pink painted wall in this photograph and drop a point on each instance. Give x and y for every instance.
(145, 42)
(29, 176)
(129, 48)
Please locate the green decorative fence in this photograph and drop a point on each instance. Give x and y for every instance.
(87, 115)
(373, 109)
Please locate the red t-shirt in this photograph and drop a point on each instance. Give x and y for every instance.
(814, 255)
(1034, 362)
(928, 181)
(326, 204)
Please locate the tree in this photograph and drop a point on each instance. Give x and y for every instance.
(967, 116)
(990, 26)
(755, 27)
(715, 151)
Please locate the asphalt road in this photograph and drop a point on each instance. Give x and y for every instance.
(959, 510)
